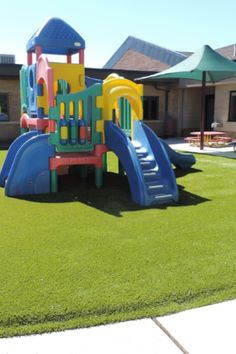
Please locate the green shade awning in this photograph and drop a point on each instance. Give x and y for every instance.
(205, 65)
(216, 66)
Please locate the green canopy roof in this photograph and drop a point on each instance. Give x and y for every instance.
(204, 65)
(206, 60)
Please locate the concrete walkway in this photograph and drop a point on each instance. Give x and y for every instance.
(206, 330)
(180, 145)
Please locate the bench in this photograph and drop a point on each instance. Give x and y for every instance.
(192, 140)
(222, 139)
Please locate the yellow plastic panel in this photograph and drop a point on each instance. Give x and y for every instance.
(74, 74)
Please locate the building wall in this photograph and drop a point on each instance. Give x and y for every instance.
(183, 113)
(11, 129)
(191, 110)
(222, 97)
(185, 107)
(182, 116)
(175, 109)
(133, 60)
(156, 124)
(152, 91)
(173, 103)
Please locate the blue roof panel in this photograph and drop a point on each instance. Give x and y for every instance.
(56, 37)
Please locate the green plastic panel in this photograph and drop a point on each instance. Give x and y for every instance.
(125, 115)
(24, 88)
(81, 107)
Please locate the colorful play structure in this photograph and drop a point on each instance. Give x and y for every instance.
(68, 119)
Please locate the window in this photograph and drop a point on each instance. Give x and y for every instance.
(3, 107)
(232, 107)
(150, 107)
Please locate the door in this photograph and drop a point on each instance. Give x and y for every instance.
(209, 111)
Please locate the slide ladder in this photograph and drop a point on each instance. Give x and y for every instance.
(147, 166)
(156, 190)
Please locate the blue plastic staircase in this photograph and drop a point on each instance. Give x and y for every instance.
(148, 168)
(155, 188)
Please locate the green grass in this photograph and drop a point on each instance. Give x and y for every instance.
(85, 256)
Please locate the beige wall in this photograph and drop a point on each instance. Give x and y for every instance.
(222, 96)
(11, 129)
(173, 104)
(152, 91)
(191, 110)
(176, 121)
(185, 107)
(156, 125)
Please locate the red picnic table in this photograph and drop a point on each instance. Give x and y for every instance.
(211, 138)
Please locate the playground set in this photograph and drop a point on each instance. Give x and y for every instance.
(68, 119)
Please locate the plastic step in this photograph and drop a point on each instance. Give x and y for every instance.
(147, 164)
(161, 199)
(150, 176)
(163, 196)
(141, 150)
(154, 186)
(156, 191)
(146, 158)
(136, 144)
(142, 155)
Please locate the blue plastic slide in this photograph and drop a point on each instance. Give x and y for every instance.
(148, 168)
(29, 173)
(182, 161)
(13, 149)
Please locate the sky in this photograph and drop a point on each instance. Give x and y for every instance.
(181, 25)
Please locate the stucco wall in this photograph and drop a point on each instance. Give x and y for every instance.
(191, 110)
(185, 107)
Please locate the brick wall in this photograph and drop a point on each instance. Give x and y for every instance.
(133, 60)
(11, 129)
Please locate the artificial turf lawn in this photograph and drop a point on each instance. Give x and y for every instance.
(86, 256)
